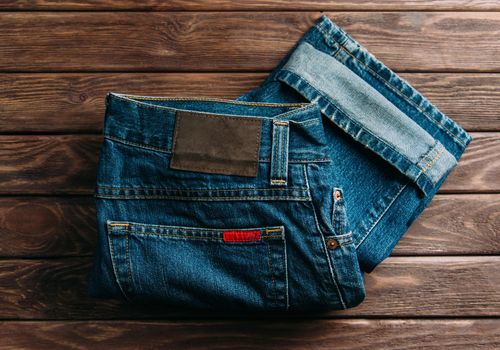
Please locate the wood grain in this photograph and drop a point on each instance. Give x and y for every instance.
(221, 41)
(66, 226)
(453, 225)
(348, 334)
(74, 102)
(48, 164)
(478, 168)
(400, 287)
(66, 164)
(57, 226)
(245, 5)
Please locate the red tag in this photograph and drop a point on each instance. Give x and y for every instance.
(241, 236)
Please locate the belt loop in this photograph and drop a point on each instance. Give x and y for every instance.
(279, 153)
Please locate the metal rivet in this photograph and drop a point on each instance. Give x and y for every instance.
(337, 195)
(332, 243)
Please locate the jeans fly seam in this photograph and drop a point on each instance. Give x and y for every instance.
(403, 96)
(381, 215)
(325, 251)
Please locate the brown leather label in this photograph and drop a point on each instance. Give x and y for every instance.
(211, 143)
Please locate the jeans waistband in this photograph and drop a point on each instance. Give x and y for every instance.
(149, 122)
(373, 104)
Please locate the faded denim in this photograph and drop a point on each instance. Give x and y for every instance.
(344, 156)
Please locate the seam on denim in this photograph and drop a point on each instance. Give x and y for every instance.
(287, 298)
(271, 271)
(337, 210)
(113, 264)
(119, 224)
(329, 36)
(199, 198)
(206, 99)
(196, 229)
(203, 189)
(278, 181)
(432, 161)
(300, 160)
(348, 116)
(307, 122)
(163, 150)
(300, 108)
(218, 116)
(182, 228)
(188, 236)
(384, 81)
(178, 117)
(329, 260)
(381, 215)
(404, 97)
(128, 259)
(142, 145)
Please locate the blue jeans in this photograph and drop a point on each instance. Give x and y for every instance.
(278, 200)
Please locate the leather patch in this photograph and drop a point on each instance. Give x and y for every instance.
(217, 144)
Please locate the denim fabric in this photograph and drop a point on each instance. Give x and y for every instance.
(341, 158)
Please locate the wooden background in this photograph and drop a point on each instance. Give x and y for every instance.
(441, 287)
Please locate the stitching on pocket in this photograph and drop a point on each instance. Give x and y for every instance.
(271, 271)
(113, 263)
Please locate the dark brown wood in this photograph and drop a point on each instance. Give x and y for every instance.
(348, 334)
(255, 5)
(57, 226)
(439, 289)
(400, 287)
(74, 102)
(66, 226)
(209, 41)
(48, 164)
(66, 164)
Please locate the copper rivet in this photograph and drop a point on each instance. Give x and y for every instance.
(337, 195)
(332, 243)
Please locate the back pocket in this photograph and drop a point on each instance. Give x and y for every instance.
(207, 268)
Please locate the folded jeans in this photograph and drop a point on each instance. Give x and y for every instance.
(278, 200)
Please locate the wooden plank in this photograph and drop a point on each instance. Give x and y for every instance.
(222, 41)
(400, 287)
(453, 225)
(348, 334)
(74, 102)
(66, 164)
(66, 226)
(245, 5)
(57, 226)
(48, 164)
(479, 166)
